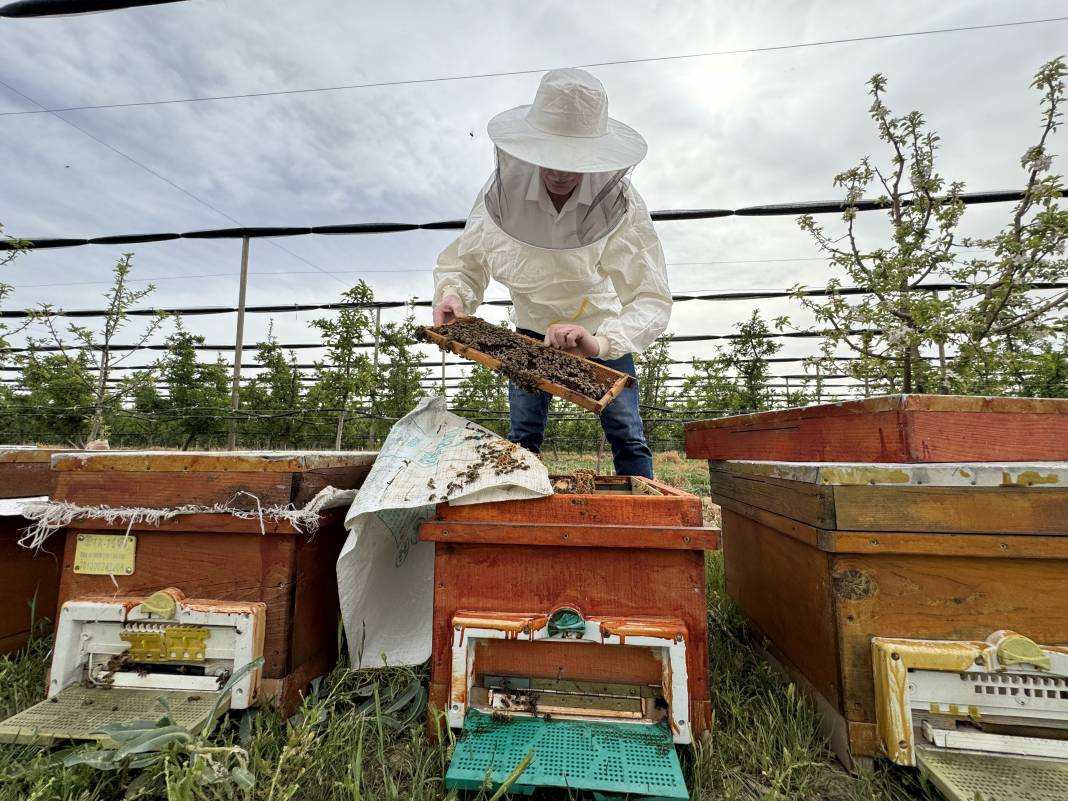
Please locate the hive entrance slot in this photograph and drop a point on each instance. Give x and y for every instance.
(506, 695)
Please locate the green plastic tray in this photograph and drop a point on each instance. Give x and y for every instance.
(77, 712)
(989, 777)
(612, 757)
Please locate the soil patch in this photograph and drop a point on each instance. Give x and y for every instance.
(524, 361)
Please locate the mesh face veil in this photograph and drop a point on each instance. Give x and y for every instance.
(519, 203)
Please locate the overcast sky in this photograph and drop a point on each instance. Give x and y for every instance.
(724, 131)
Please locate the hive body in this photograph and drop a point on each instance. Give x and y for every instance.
(932, 518)
(219, 555)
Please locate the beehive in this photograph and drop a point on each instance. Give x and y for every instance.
(892, 428)
(630, 551)
(216, 554)
(823, 556)
(24, 471)
(28, 581)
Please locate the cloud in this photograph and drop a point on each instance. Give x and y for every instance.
(723, 131)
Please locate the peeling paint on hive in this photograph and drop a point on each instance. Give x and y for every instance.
(864, 475)
(1027, 478)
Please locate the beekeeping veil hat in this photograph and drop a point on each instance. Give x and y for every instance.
(565, 130)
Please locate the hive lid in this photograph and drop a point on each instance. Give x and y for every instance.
(209, 461)
(611, 757)
(24, 470)
(1037, 475)
(892, 428)
(988, 777)
(77, 713)
(27, 454)
(243, 480)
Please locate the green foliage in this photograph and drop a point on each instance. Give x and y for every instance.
(56, 392)
(889, 327)
(96, 348)
(199, 394)
(748, 357)
(15, 248)
(483, 391)
(998, 313)
(350, 377)
(398, 384)
(273, 397)
(1044, 374)
(974, 339)
(737, 378)
(708, 389)
(653, 366)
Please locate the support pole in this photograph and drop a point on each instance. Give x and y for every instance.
(374, 391)
(235, 395)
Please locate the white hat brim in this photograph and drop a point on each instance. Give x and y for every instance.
(620, 148)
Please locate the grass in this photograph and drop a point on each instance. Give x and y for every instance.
(360, 736)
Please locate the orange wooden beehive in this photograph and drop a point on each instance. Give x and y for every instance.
(24, 471)
(892, 428)
(629, 564)
(219, 555)
(824, 556)
(28, 581)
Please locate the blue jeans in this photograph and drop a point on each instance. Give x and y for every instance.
(621, 421)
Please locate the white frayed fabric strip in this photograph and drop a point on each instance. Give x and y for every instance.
(51, 516)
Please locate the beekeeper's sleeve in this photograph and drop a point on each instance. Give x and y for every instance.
(461, 269)
(634, 261)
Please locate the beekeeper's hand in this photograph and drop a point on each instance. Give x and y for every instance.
(448, 310)
(573, 339)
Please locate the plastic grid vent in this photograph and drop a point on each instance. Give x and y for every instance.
(76, 712)
(975, 777)
(582, 755)
(1017, 684)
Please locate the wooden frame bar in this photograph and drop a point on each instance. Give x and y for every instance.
(619, 381)
(561, 534)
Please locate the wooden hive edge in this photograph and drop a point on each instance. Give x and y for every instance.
(207, 461)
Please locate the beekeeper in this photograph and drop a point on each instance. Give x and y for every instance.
(559, 224)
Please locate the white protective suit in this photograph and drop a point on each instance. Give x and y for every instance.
(596, 262)
(616, 287)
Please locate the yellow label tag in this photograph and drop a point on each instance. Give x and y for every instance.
(104, 554)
